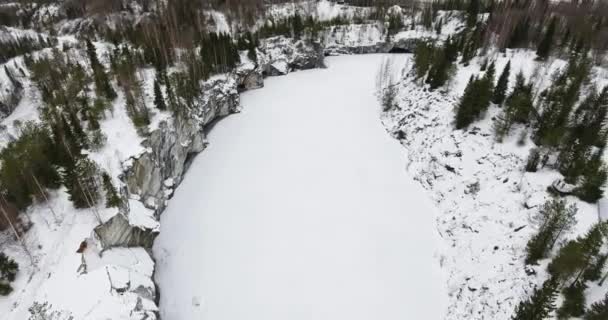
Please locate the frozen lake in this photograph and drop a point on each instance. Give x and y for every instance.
(301, 209)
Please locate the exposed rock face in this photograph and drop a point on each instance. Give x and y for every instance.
(11, 92)
(152, 176)
(119, 232)
(282, 55)
(398, 46)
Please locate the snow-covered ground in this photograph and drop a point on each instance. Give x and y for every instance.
(486, 200)
(301, 208)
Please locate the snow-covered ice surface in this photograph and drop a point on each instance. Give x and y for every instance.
(301, 208)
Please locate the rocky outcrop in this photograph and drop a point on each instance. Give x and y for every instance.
(118, 232)
(281, 55)
(11, 91)
(151, 176)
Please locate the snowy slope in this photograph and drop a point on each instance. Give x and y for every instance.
(485, 198)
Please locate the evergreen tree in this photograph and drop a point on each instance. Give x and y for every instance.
(559, 101)
(28, 164)
(487, 88)
(544, 47)
(77, 129)
(112, 198)
(540, 304)
(554, 219)
(501, 86)
(518, 108)
(102, 82)
(465, 113)
(476, 98)
(594, 272)
(533, 160)
(252, 54)
(442, 64)
(81, 183)
(593, 181)
(472, 12)
(574, 302)
(159, 100)
(423, 56)
(598, 310)
(519, 36)
(578, 255)
(8, 272)
(297, 26)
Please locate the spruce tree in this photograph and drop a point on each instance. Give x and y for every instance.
(8, 272)
(544, 47)
(102, 82)
(533, 160)
(574, 302)
(28, 165)
(501, 86)
(593, 181)
(81, 183)
(78, 131)
(112, 198)
(442, 64)
(554, 219)
(423, 56)
(486, 89)
(540, 304)
(472, 12)
(465, 113)
(578, 255)
(159, 100)
(598, 310)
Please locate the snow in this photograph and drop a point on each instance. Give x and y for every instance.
(116, 283)
(141, 216)
(60, 277)
(486, 200)
(300, 208)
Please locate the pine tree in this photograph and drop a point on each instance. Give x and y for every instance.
(423, 56)
(486, 89)
(593, 181)
(598, 310)
(81, 183)
(578, 255)
(77, 129)
(465, 113)
(501, 86)
(544, 47)
(594, 272)
(533, 160)
(574, 302)
(252, 54)
(472, 12)
(159, 100)
(112, 198)
(540, 304)
(559, 101)
(476, 98)
(297, 26)
(554, 219)
(28, 164)
(8, 272)
(102, 82)
(442, 64)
